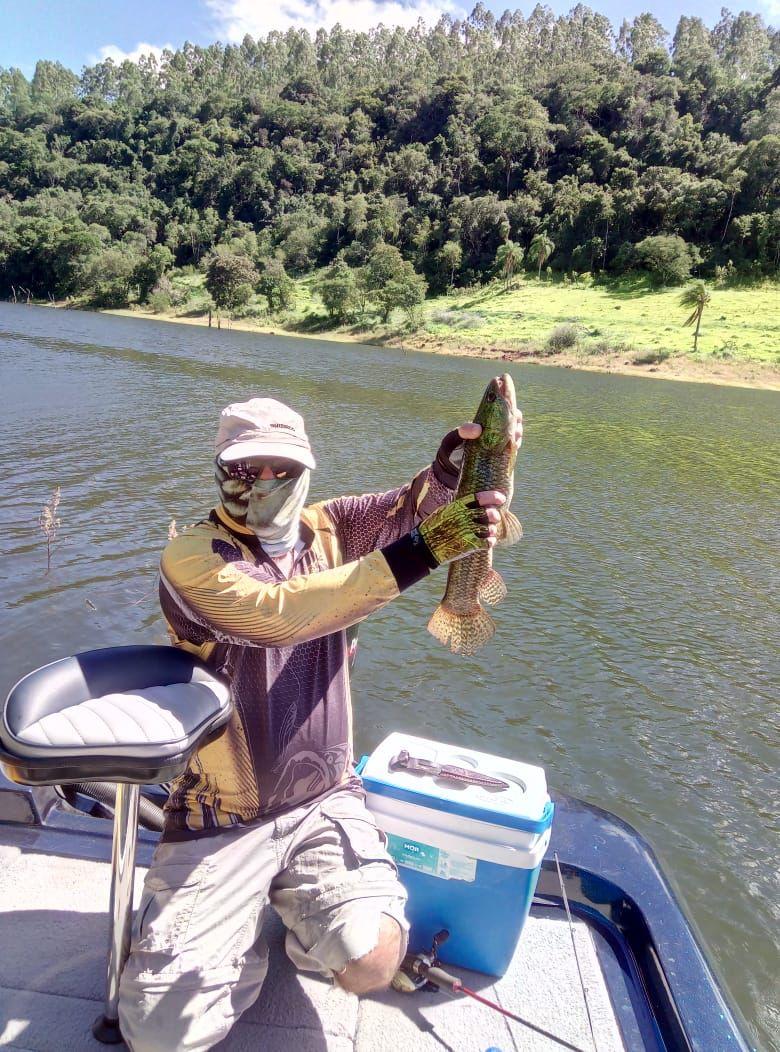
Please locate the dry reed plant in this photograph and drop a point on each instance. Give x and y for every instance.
(49, 523)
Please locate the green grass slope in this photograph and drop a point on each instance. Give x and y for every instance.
(739, 323)
(645, 324)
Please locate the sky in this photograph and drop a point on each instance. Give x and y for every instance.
(81, 32)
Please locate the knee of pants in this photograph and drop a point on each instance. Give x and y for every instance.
(186, 1011)
(331, 940)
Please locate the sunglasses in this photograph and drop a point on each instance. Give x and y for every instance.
(250, 473)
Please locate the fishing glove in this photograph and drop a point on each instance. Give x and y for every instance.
(452, 531)
(449, 459)
(455, 529)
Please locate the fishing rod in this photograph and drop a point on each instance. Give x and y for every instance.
(574, 947)
(419, 969)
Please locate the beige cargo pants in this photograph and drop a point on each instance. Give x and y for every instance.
(195, 962)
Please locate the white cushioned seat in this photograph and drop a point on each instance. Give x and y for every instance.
(155, 715)
(127, 714)
(117, 724)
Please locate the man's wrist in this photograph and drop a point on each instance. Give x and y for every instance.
(410, 559)
(422, 549)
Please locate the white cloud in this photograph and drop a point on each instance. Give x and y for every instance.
(118, 55)
(233, 19)
(772, 8)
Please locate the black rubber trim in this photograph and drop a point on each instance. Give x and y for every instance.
(615, 883)
(409, 559)
(138, 770)
(107, 1030)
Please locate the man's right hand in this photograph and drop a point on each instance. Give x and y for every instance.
(464, 525)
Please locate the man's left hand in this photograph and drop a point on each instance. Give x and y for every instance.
(450, 456)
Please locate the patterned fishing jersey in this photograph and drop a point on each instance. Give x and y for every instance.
(281, 642)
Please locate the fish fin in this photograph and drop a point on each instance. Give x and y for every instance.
(509, 529)
(492, 588)
(463, 633)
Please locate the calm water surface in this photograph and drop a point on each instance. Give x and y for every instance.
(635, 656)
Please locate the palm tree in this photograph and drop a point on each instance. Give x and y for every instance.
(508, 258)
(698, 298)
(542, 247)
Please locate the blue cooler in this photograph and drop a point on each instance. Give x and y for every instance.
(468, 854)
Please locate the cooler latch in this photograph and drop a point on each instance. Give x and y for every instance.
(416, 765)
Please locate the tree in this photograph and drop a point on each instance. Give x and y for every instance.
(110, 277)
(761, 162)
(744, 44)
(384, 264)
(391, 281)
(449, 258)
(338, 291)
(277, 286)
(483, 227)
(508, 258)
(300, 236)
(445, 143)
(516, 131)
(230, 280)
(542, 247)
(406, 291)
(698, 298)
(151, 269)
(642, 37)
(15, 94)
(667, 258)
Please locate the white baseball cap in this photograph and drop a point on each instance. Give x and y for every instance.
(262, 427)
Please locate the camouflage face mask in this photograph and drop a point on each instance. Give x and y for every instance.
(271, 508)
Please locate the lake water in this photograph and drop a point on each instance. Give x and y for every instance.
(635, 657)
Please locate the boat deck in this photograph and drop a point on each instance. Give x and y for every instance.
(53, 933)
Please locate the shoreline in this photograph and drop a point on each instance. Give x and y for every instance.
(745, 374)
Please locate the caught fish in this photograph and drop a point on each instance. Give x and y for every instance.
(460, 621)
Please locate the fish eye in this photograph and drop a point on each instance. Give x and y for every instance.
(491, 396)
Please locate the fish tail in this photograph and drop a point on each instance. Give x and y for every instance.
(492, 588)
(463, 633)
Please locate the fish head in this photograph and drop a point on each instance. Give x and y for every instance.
(497, 413)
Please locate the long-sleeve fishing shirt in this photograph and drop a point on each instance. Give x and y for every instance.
(281, 642)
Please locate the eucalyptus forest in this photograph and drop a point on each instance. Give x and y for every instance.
(397, 163)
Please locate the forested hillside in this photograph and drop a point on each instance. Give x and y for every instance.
(474, 147)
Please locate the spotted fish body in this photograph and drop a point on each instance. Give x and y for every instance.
(460, 621)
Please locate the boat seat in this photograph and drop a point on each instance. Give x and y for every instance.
(120, 722)
(130, 715)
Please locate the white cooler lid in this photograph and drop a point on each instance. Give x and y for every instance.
(525, 804)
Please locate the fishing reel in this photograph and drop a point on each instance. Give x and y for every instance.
(412, 974)
(421, 971)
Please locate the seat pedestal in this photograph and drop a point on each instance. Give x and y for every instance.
(106, 1027)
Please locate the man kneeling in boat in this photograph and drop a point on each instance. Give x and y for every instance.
(271, 811)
